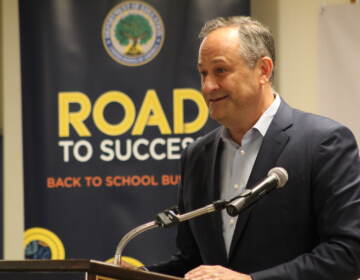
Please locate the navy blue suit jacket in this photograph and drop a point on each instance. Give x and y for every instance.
(309, 229)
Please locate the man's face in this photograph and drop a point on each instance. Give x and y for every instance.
(230, 87)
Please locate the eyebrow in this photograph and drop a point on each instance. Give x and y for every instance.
(217, 60)
(214, 61)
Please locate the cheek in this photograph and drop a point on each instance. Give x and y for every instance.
(246, 86)
(238, 88)
(204, 95)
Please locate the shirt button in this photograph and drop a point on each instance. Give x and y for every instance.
(242, 152)
(236, 186)
(232, 221)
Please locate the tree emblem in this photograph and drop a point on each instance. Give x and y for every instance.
(135, 29)
(133, 33)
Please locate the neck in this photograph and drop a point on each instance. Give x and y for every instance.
(239, 127)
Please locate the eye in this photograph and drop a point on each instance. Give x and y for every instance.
(220, 70)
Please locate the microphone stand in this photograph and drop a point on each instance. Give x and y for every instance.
(277, 178)
(170, 217)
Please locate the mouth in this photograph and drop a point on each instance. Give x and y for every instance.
(217, 99)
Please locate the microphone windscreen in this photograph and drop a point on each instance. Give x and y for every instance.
(281, 175)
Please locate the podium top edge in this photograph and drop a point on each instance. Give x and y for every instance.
(81, 265)
(51, 265)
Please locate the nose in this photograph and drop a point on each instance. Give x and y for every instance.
(209, 84)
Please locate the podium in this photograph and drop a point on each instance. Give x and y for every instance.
(73, 269)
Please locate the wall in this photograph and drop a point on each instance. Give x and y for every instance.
(294, 24)
(11, 116)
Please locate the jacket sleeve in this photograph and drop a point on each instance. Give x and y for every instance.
(335, 187)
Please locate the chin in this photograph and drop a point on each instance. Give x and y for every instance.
(217, 117)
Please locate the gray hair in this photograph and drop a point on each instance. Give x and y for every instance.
(256, 40)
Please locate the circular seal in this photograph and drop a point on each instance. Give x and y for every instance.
(41, 243)
(133, 33)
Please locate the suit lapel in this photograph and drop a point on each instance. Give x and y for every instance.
(215, 219)
(273, 144)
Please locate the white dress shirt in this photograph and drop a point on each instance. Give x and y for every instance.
(237, 162)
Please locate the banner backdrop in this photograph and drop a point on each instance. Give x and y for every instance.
(339, 57)
(110, 99)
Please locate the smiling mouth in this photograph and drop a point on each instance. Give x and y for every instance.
(217, 99)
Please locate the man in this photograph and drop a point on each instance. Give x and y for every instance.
(310, 229)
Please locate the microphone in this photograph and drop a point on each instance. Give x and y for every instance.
(276, 178)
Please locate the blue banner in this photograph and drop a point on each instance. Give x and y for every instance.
(110, 100)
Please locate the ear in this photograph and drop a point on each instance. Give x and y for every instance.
(266, 67)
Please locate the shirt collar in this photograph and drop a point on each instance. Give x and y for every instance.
(263, 123)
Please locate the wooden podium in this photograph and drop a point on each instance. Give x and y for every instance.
(73, 269)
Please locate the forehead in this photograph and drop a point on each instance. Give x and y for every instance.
(219, 44)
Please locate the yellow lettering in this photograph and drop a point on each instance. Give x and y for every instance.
(76, 119)
(151, 113)
(129, 113)
(180, 95)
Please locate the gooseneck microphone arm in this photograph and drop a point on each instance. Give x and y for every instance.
(129, 236)
(167, 218)
(276, 178)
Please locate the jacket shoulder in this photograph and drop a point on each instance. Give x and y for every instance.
(203, 141)
(310, 122)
